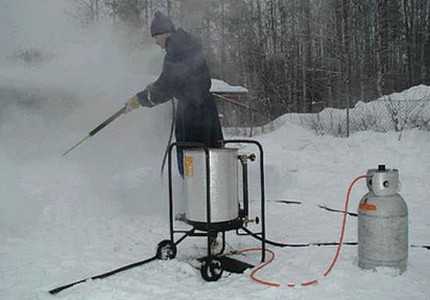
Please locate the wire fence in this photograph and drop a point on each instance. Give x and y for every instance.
(396, 112)
(382, 115)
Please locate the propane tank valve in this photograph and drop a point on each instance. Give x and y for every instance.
(381, 168)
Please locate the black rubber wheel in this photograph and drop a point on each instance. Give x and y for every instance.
(211, 269)
(166, 250)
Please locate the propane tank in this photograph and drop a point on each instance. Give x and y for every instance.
(383, 222)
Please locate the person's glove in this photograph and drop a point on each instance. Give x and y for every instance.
(145, 96)
(132, 104)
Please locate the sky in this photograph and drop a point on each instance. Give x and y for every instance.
(105, 205)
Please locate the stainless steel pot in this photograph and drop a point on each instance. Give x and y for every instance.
(223, 180)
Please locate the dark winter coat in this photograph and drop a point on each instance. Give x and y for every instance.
(185, 76)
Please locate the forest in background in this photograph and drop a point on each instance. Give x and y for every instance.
(296, 55)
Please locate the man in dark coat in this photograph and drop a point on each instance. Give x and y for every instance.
(185, 77)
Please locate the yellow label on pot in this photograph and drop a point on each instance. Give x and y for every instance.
(188, 166)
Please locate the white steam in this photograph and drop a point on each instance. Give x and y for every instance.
(58, 81)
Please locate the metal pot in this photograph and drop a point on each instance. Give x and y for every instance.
(223, 185)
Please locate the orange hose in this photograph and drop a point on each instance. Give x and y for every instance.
(342, 234)
(261, 266)
(342, 231)
(334, 259)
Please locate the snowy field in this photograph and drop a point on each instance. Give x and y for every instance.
(105, 205)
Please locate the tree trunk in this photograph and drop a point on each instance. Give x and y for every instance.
(407, 27)
(346, 7)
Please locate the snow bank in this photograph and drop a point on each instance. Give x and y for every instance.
(394, 112)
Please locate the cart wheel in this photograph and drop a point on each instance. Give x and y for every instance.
(166, 250)
(211, 269)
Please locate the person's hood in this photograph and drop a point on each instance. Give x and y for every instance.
(180, 43)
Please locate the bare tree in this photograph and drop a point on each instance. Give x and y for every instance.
(88, 11)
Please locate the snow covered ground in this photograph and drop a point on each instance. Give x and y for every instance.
(105, 205)
(64, 219)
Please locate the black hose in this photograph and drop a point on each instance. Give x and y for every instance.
(337, 210)
(421, 246)
(282, 245)
(172, 127)
(104, 275)
(320, 244)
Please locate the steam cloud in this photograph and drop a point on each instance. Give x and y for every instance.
(58, 81)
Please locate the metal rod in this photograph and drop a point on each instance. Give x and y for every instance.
(76, 145)
(263, 201)
(263, 210)
(245, 186)
(235, 102)
(98, 128)
(187, 233)
(170, 192)
(208, 201)
(181, 145)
